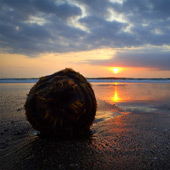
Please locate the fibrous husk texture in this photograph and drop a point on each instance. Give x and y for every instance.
(61, 104)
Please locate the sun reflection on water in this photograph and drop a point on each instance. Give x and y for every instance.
(115, 97)
(130, 96)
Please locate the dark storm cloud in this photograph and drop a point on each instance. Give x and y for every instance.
(95, 7)
(21, 35)
(151, 59)
(36, 26)
(106, 33)
(149, 21)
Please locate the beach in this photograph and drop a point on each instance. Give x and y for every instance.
(131, 131)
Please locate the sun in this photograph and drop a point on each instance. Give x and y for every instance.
(115, 70)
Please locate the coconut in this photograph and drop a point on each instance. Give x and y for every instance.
(61, 104)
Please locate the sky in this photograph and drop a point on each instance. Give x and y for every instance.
(40, 37)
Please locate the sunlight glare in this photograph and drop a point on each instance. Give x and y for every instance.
(115, 70)
(115, 98)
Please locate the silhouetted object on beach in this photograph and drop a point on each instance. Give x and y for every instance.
(61, 104)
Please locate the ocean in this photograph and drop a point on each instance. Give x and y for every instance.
(113, 94)
(93, 80)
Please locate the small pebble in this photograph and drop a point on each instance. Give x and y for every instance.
(35, 133)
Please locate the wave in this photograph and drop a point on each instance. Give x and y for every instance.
(19, 80)
(94, 80)
(130, 80)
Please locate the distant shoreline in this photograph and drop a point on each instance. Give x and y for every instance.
(94, 80)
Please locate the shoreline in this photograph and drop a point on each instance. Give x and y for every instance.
(137, 140)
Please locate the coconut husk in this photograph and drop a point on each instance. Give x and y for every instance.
(61, 104)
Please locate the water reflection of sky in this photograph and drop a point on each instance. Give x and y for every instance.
(134, 96)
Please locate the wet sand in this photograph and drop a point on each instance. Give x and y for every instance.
(122, 139)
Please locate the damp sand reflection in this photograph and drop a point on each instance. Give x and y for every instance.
(133, 96)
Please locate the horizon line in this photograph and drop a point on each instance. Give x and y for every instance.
(88, 78)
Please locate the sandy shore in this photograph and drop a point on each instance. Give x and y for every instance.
(137, 140)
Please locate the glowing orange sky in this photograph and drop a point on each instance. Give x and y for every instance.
(13, 65)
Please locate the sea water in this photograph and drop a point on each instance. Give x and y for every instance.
(138, 96)
(93, 80)
(114, 96)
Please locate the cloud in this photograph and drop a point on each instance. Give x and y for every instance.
(42, 26)
(32, 27)
(152, 59)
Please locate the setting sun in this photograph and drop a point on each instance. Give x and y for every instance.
(115, 70)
